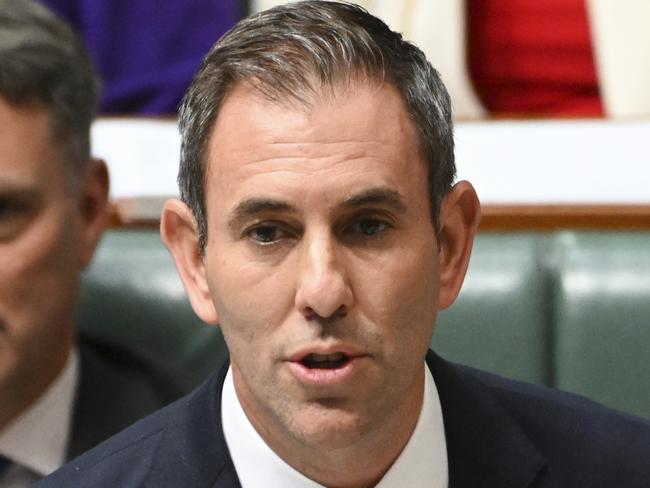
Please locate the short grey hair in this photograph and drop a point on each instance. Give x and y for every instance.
(292, 53)
(43, 62)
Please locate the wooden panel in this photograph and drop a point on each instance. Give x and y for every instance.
(550, 217)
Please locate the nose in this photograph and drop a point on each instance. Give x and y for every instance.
(323, 288)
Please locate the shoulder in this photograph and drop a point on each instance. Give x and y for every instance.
(572, 431)
(125, 369)
(541, 405)
(116, 388)
(180, 445)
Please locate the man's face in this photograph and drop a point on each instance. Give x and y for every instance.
(43, 246)
(321, 261)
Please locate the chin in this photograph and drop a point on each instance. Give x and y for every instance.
(325, 426)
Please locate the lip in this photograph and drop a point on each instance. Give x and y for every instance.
(324, 350)
(326, 376)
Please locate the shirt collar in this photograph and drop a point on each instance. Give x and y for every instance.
(422, 462)
(37, 439)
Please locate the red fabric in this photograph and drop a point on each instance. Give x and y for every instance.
(532, 57)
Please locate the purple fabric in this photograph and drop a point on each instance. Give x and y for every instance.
(147, 50)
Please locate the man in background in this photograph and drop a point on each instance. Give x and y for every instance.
(58, 396)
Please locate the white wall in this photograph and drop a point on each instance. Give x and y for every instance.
(590, 161)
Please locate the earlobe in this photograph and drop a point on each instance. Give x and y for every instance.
(178, 230)
(460, 215)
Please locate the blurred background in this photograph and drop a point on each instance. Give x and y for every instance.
(552, 108)
(557, 58)
(551, 98)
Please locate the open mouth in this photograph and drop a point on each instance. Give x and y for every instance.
(325, 361)
(328, 367)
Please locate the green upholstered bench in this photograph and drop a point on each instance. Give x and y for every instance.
(500, 321)
(602, 319)
(565, 309)
(132, 297)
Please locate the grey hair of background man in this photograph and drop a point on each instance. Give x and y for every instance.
(294, 53)
(44, 63)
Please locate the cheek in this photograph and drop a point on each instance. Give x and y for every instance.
(38, 290)
(252, 303)
(401, 298)
(39, 265)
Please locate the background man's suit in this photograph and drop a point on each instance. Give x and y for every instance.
(500, 433)
(115, 389)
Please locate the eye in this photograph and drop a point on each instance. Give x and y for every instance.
(11, 209)
(14, 215)
(267, 234)
(370, 227)
(7, 208)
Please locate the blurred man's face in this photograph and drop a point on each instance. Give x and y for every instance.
(321, 262)
(44, 243)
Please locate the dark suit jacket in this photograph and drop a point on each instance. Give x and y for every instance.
(116, 389)
(500, 433)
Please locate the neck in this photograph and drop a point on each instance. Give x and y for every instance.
(18, 392)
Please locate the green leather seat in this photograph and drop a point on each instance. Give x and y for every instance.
(499, 322)
(132, 296)
(602, 337)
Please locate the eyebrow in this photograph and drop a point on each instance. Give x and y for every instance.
(8, 191)
(253, 206)
(376, 196)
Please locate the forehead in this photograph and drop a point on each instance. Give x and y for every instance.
(359, 130)
(28, 152)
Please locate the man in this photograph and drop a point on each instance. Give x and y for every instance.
(319, 225)
(57, 399)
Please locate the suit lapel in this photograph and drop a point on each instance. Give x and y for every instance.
(485, 446)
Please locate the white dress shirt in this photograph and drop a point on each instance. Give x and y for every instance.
(422, 463)
(36, 441)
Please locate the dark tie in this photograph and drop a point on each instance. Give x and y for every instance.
(5, 464)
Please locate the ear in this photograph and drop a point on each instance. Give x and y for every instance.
(92, 202)
(179, 231)
(460, 214)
